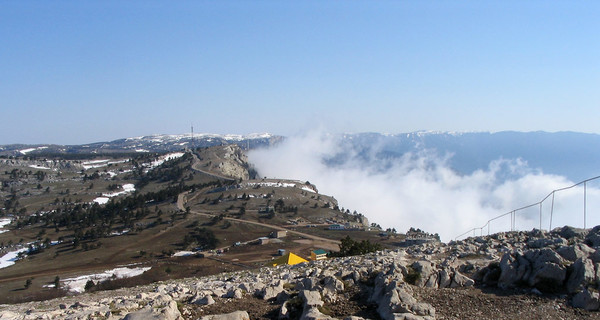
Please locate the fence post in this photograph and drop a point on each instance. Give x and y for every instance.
(513, 219)
(551, 210)
(584, 203)
(540, 216)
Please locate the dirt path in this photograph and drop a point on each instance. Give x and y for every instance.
(196, 166)
(181, 201)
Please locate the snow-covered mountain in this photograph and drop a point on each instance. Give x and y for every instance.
(153, 143)
(571, 154)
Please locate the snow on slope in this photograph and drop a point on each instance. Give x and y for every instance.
(77, 284)
(127, 188)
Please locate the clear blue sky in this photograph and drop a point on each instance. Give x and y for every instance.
(85, 71)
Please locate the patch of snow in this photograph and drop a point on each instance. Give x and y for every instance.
(38, 167)
(127, 188)
(183, 253)
(162, 160)
(4, 222)
(77, 284)
(309, 189)
(272, 184)
(96, 161)
(11, 257)
(130, 187)
(101, 200)
(115, 233)
(258, 136)
(118, 161)
(95, 164)
(26, 151)
(141, 150)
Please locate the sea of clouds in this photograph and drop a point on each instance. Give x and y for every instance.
(420, 189)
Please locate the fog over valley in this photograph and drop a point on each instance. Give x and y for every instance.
(445, 183)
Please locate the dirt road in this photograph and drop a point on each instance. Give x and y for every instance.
(181, 201)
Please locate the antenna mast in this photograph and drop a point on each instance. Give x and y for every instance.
(193, 145)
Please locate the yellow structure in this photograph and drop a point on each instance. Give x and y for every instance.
(289, 258)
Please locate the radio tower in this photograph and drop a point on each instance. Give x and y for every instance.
(193, 145)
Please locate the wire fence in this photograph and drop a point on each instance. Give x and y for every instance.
(551, 197)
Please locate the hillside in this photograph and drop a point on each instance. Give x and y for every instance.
(153, 214)
(186, 234)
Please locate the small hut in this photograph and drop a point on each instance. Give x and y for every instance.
(318, 254)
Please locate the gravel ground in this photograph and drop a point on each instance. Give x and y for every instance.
(495, 304)
(450, 304)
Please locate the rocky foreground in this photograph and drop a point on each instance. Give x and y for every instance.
(534, 275)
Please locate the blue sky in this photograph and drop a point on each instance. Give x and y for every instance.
(84, 71)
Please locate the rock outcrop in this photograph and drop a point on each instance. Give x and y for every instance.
(564, 261)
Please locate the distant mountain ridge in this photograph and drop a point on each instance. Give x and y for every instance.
(152, 143)
(571, 154)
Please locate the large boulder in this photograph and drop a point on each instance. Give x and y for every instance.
(512, 270)
(331, 287)
(575, 252)
(548, 272)
(460, 280)
(593, 237)
(399, 303)
(582, 274)
(569, 232)
(586, 300)
(428, 275)
(271, 292)
(311, 298)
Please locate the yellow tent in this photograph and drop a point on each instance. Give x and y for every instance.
(289, 258)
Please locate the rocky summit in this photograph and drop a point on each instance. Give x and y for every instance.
(556, 273)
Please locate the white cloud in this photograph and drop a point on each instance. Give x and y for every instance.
(421, 190)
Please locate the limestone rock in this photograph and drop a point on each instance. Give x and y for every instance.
(170, 312)
(205, 300)
(311, 298)
(586, 300)
(575, 252)
(237, 315)
(426, 270)
(271, 292)
(460, 280)
(582, 274)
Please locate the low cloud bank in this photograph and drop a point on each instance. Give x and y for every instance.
(419, 189)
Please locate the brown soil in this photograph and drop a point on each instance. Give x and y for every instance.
(353, 302)
(495, 304)
(256, 308)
